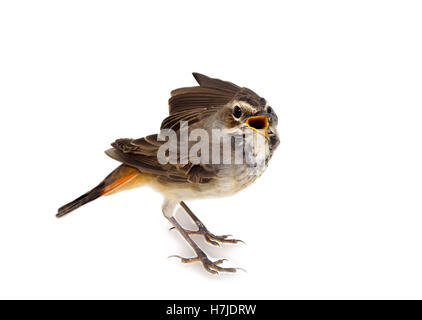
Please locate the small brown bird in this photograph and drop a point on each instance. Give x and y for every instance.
(181, 166)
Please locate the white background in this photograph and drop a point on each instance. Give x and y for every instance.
(338, 214)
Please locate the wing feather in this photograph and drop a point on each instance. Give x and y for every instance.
(142, 154)
(192, 104)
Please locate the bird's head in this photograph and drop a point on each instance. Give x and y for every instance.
(247, 111)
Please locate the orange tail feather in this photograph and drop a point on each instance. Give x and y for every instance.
(121, 178)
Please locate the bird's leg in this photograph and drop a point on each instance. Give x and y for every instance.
(210, 266)
(202, 230)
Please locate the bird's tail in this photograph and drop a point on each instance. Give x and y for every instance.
(123, 177)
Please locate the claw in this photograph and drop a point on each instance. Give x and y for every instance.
(213, 239)
(210, 241)
(220, 261)
(211, 266)
(223, 239)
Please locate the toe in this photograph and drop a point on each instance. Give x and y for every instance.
(211, 241)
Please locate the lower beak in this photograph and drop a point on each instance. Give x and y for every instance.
(259, 124)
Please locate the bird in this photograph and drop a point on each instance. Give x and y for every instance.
(243, 119)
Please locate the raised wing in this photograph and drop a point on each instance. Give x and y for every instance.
(196, 103)
(192, 104)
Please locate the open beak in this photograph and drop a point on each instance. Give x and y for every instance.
(259, 124)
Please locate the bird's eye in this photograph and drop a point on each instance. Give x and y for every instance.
(237, 112)
(269, 110)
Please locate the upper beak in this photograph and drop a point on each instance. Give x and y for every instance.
(259, 124)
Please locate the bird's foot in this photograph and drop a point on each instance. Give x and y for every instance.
(202, 230)
(210, 237)
(211, 266)
(213, 239)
